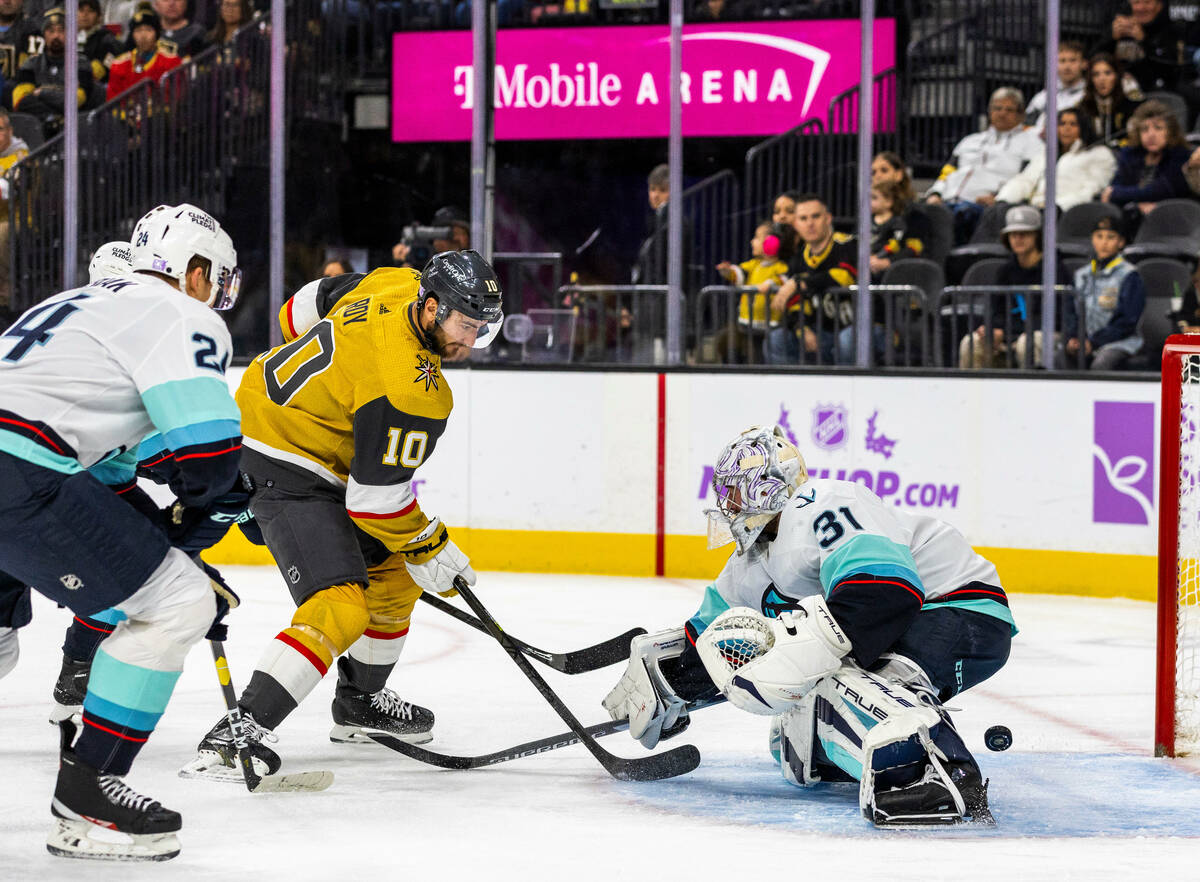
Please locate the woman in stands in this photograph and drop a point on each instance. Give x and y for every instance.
(1085, 167)
(888, 166)
(1105, 101)
(234, 14)
(1151, 168)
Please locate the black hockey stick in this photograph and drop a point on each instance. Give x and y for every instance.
(256, 783)
(527, 748)
(674, 762)
(580, 661)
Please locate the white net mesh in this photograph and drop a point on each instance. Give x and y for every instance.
(1187, 630)
(741, 639)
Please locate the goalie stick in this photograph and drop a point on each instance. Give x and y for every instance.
(527, 748)
(255, 783)
(677, 761)
(579, 661)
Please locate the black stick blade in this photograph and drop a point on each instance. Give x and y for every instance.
(610, 652)
(670, 764)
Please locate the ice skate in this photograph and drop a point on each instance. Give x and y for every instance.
(98, 816)
(216, 755)
(934, 799)
(355, 713)
(70, 689)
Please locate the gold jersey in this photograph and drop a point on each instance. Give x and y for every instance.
(353, 396)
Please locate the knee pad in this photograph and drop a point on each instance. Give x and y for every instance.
(10, 650)
(164, 618)
(333, 618)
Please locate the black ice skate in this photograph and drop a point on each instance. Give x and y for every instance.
(98, 816)
(216, 755)
(70, 689)
(935, 800)
(355, 713)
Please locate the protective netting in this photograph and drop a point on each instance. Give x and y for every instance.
(741, 638)
(1187, 631)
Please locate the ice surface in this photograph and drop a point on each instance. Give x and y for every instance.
(1077, 797)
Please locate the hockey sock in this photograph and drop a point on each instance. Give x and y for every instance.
(87, 632)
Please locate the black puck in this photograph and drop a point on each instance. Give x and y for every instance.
(998, 738)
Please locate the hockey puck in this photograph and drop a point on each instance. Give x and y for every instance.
(998, 738)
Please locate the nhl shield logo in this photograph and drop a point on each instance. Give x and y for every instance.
(831, 426)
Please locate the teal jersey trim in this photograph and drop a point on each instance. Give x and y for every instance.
(192, 403)
(151, 447)
(116, 470)
(110, 616)
(869, 553)
(202, 433)
(22, 448)
(987, 607)
(711, 607)
(119, 714)
(130, 686)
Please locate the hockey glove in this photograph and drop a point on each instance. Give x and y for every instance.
(436, 574)
(192, 530)
(227, 599)
(643, 695)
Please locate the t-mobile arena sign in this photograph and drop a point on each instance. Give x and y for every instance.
(744, 78)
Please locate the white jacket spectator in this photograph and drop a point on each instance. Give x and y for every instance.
(984, 162)
(1084, 168)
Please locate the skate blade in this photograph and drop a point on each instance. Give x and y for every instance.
(358, 735)
(210, 767)
(81, 839)
(917, 822)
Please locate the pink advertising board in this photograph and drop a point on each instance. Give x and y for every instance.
(744, 78)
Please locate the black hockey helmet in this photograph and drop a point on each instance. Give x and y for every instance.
(464, 282)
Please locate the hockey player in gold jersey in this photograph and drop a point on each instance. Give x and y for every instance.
(336, 421)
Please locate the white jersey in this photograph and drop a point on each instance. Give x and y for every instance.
(89, 373)
(834, 533)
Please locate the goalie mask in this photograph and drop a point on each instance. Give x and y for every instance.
(168, 237)
(755, 475)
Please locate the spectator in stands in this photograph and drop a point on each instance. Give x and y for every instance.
(1085, 167)
(233, 14)
(1151, 168)
(1114, 297)
(715, 10)
(984, 162)
(147, 61)
(770, 250)
(460, 237)
(180, 36)
(651, 265)
(20, 38)
(12, 150)
(897, 231)
(1148, 43)
(337, 267)
(1105, 101)
(888, 166)
(98, 44)
(1022, 234)
(1187, 317)
(1072, 80)
(1191, 171)
(784, 208)
(828, 260)
(41, 80)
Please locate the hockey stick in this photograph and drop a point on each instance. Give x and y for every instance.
(674, 762)
(255, 783)
(579, 661)
(528, 748)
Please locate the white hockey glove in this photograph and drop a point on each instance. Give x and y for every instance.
(765, 666)
(643, 695)
(436, 574)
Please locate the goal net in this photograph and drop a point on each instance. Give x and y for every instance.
(1177, 716)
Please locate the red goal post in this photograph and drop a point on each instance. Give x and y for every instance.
(1177, 697)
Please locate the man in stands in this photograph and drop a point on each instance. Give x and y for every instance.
(20, 37)
(1148, 43)
(984, 162)
(1072, 78)
(148, 60)
(41, 80)
(179, 35)
(98, 44)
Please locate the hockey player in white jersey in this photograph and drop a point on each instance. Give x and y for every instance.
(847, 621)
(112, 260)
(84, 377)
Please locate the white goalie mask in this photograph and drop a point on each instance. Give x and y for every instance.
(168, 237)
(755, 475)
(112, 259)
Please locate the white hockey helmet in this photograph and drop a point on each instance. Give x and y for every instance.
(112, 259)
(168, 237)
(755, 475)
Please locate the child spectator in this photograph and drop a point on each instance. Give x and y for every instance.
(1072, 77)
(1085, 167)
(1105, 101)
(1113, 297)
(148, 60)
(1151, 168)
(770, 249)
(897, 231)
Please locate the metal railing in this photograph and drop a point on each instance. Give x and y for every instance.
(719, 225)
(991, 326)
(530, 279)
(619, 323)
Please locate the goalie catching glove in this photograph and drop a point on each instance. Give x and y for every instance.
(765, 666)
(643, 695)
(435, 572)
